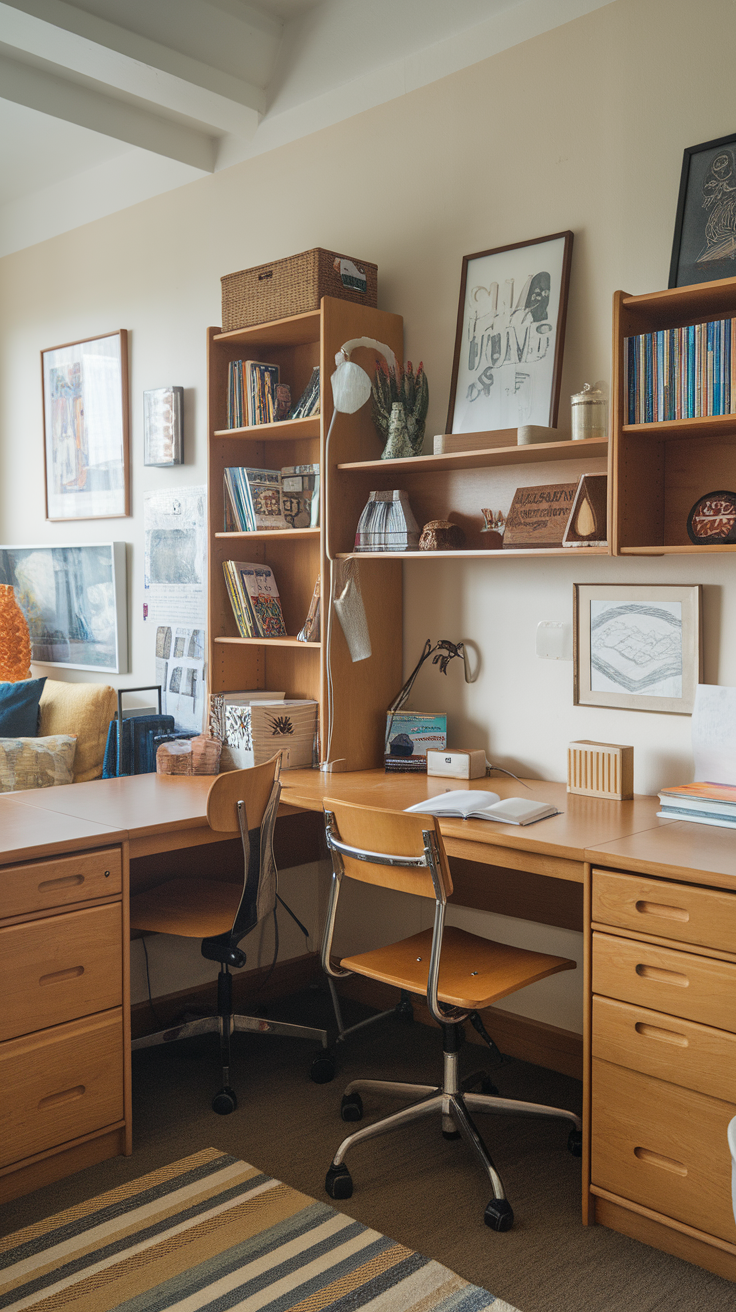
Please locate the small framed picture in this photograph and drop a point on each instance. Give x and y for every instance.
(637, 646)
(85, 410)
(510, 336)
(163, 436)
(704, 246)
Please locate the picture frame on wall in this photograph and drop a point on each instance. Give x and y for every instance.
(163, 409)
(510, 336)
(637, 647)
(85, 409)
(704, 244)
(74, 599)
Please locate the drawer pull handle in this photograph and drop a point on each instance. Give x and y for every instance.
(666, 1036)
(69, 881)
(68, 1095)
(660, 976)
(663, 911)
(656, 1159)
(59, 976)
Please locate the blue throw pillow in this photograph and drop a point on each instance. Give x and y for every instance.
(19, 708)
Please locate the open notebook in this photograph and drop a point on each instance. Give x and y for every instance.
(478, 805)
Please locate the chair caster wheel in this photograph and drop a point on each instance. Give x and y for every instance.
(338, 1182)
(351, 1107)
(499, 1214)
(575, 1142)
(224, 1102)
(322, 1069)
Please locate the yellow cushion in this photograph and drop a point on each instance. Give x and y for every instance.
(83, 709)
(36, 762)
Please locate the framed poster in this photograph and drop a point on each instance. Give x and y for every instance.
(510, 336)
(74, 599)
(85, 411)
(637, 646)
(704, 245)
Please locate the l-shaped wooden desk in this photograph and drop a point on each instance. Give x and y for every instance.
(656, 901)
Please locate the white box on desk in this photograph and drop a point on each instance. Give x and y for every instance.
(457, 764)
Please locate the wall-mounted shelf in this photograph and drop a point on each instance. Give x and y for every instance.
(284, 431)
(270, 534)
(270, 642)
(538, 453)
(476, 554)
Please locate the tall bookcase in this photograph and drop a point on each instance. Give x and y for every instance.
(659, 470)
(352, 721)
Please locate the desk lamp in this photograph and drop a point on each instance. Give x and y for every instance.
(351, 388)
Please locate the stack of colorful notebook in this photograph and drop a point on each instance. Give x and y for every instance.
(703, 803)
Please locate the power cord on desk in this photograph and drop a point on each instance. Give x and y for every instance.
(154, 1013)
(490, 767)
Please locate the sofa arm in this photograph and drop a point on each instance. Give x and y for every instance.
(84, 709)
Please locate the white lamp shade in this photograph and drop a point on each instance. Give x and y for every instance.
(351, 387)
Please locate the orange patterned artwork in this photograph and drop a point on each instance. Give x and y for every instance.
(15, 642)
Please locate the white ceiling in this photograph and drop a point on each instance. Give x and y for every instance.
(104, 103)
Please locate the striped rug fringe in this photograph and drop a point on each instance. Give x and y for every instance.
(210, 1234)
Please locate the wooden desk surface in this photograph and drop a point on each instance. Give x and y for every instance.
(140, 804)
(691, 853)
(29, 832)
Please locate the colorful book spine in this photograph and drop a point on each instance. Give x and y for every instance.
(681, 373)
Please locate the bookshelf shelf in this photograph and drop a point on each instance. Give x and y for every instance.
(286, 430)
(298, 557)
(659, 470)
(477, 553)
(539, 453)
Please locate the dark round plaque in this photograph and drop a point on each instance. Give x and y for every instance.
(713, 518)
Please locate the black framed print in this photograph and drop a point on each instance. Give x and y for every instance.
(704, 246)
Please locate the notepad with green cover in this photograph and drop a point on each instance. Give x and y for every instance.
(478, 805)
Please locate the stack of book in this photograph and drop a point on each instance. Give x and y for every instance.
(682, 373)
(251, 393)
(300, 495)
(387, 524)
(702, 803)
(253, 500)
(255, 600)
(256, 730)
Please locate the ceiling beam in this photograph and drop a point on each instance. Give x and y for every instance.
(80, 45)
(26, 84)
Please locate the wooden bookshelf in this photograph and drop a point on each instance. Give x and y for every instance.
(659, 470)
(363, 690)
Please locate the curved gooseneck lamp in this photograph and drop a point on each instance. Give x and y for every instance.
(351, 388)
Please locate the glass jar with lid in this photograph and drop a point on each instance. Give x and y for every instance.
(589, 417)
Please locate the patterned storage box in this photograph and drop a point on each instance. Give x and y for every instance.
(295, 286)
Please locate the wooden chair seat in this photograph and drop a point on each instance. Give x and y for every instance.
(192, 908)
(474, 971)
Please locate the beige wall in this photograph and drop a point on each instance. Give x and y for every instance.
(581, 128)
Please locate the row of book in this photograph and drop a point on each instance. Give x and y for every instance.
(256, 395)
(681, 373)
(255, 724)
(255, 599)
(271, 498)
(701, 803)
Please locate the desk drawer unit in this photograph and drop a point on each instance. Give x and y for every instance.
(60, 968)
(665, 909)
(679, 983)
(694, 1056)
(61, 882)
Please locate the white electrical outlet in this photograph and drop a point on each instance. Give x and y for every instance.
(554, 641)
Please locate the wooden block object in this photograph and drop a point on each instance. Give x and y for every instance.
(600, 770)
(539, 515)
(444, 443)
(587, 525)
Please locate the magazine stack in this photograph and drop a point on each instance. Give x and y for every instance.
(700, 803)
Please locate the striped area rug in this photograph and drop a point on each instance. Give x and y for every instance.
(211, 1233)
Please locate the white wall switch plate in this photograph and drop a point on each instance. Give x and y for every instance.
(554, 641)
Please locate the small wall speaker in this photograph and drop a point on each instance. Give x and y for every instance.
(600, 770)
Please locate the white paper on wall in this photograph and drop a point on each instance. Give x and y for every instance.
(714, 734)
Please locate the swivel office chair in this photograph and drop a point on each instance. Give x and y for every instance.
(458, 973)
(244, 801)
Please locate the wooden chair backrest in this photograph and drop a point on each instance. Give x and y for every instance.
(394, 833)
(251, 786)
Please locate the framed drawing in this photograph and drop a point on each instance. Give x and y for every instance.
(162, 426)
(637, 646)
(85, 412)
(704, 245)
(74, 599)
(510, 336)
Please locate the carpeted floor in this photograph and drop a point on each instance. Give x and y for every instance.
(414, 1186)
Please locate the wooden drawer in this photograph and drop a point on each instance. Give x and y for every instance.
(663, 1147)
(39, 885)
(665, 980)
(60, 968)
(60, 1084)
(665, 909)
(694, 1056)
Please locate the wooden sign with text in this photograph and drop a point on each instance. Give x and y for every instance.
(538, 515)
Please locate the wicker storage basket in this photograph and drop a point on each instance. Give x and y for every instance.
(295, 286)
